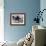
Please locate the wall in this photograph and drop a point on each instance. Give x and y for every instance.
(43, 6)
(29, 7)
(1, 21)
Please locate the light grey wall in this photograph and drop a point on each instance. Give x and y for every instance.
(29, 7)
(43, 6)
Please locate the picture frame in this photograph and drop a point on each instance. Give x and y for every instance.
(17, 19)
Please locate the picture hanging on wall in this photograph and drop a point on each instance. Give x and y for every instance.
(17, 19)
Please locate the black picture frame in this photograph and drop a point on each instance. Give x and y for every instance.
(17, 19)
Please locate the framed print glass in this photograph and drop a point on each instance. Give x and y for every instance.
(17, 19)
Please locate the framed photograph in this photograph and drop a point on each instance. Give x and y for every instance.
(17, 19)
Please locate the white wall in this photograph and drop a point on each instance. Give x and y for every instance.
(1, 20)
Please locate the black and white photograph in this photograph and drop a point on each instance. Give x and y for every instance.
(17, 18)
